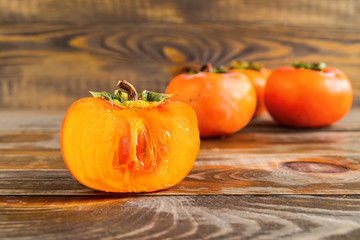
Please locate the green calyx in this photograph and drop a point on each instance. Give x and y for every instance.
(239, 65)
(314, 66)
(221, 69)
(208, 68)
(224, 69)
(131, 98)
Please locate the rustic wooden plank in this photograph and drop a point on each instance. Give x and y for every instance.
(38, 133)
(180, 217)
(213, 173)
(264, 123)
(49, 66)
(342, 143)
(294, 142)
(262, 159)
(12, 121)
(32, 160)
(281, 12)
(55, 52)
(15, 121)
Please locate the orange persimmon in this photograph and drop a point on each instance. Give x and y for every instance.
(224, 102)
(258, 75)
(308, 96)
(116, 143)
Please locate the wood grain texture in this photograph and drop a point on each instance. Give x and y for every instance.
(320, 13)
(41, 121)
(38, 133)
(40, 200)
(180, 217)
(261, 159)
(241, 143)
(214, 174)
(52, 53)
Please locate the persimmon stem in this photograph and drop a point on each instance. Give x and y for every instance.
(206, 68)
(130, 89)
(194, 70)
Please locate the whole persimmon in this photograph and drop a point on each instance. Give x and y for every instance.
(224, 101)
(119, 143)
(258, 75)
(308, 95)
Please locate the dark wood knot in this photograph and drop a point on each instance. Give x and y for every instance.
(314, 167)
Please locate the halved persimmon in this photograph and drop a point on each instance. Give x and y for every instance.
(114, 144)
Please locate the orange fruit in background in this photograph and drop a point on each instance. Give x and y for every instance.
(300, 97)
(224, 102)
(132, 146)
(258, 78)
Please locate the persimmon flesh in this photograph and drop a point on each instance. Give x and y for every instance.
(135, 147)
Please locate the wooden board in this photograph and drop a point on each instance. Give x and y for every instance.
(180, 217)
(260, 159)
(232, 175)
(52, 52)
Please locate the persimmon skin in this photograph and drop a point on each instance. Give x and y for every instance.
(258, 78)
(307, 98)
(115, 149)
(224, 102)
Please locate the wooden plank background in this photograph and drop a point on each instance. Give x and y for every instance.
(53, 52)
(180, 217)
(261, 159)
(238, 188)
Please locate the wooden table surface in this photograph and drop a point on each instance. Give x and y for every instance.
(265, 182)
